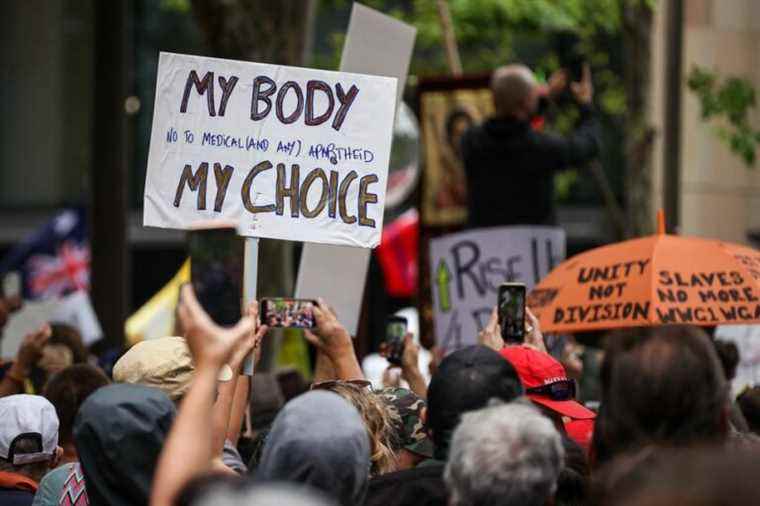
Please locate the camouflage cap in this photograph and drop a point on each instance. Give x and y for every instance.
(411, 429)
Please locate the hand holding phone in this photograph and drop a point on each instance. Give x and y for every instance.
(511, 307)
(583, 89)
(395, 330)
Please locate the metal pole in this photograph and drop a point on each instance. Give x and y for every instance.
(671, 138)
(108, 174)
(250, 280)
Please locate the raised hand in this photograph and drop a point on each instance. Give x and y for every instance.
(9, 305)
(31, 347)
(210, 344)
(490, 336)
(557, 82)
(533, 336)
(329, 335)
(411, 354)
(334, 341)
(252, 342)
(583, 90)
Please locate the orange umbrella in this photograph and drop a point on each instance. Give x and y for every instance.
(653, 280)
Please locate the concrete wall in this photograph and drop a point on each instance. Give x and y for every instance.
(45, 90)
(720, 196)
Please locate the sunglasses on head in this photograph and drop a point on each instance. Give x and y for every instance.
(563, 390)
(329, 384)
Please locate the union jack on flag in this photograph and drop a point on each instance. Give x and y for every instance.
(69, 270)
(55, 260)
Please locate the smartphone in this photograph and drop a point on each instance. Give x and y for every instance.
(12, 285)
(288, 313)
(568, 48)
(216, 272)
(395, 330)
(511, 305)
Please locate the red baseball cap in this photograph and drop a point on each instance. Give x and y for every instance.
(537, 369)
(581, 431)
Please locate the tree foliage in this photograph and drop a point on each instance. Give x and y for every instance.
(493, 32)
(731, 100)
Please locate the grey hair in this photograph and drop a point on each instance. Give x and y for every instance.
(267, 494)
(504, 454)
(511, 85)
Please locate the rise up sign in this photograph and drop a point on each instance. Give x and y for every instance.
(467, 268)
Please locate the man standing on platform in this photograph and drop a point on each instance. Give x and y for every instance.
(510, 166)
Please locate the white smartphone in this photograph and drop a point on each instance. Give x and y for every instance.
(12, 284)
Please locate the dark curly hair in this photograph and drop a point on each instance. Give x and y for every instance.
(749, 403)
(728, 354)
(62, 333)
(67, 390)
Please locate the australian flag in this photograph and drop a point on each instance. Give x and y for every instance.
(55, 260)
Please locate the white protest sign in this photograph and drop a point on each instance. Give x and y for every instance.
(32, 315)
(74, 309)
(375, 44)
(290, 153)
(747, 340)
(467, 268)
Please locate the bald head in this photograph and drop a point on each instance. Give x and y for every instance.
(514, 91)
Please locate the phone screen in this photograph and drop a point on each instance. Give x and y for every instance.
(571, 58)
(395, 331)
(285, 312)
(12, 284)
(512, 311)
(216, 272)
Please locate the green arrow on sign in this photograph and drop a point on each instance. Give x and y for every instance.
(443, 276)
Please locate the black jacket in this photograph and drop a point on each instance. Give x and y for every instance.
(419, 486)
(510, 168)
(12, 497)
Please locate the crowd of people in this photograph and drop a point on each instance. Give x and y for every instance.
(176, 423)
(497, 424)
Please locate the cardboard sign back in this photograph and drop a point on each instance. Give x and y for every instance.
(375, 44)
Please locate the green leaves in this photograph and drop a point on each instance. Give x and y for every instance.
(181, 6)
(730, 101)
(488, 30)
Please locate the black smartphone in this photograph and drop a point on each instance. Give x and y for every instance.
(286, 312)
(511, 305)
(216, 272)
(395, 330)
(568, 48)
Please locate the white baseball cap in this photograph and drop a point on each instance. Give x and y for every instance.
(27, 417)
